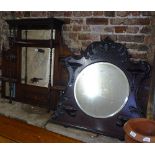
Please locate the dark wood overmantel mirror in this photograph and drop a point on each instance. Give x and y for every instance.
(34, 74)
(102, 89)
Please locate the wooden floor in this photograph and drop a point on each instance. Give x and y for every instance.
(12, 131)
(6, 140)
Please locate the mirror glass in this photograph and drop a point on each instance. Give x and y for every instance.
(35, 66)
(35, 62)
(36, 34)
(101, 90)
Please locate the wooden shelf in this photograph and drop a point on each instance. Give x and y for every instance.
(59, 88)
(13, 64)
(35, 23)
(34, 43)
(8, 79)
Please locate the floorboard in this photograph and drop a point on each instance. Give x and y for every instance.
(12, 130)
(6, 140)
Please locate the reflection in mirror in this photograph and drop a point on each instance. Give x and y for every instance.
(35, 66)
(36, 34)
(7, 91)
(101, 90)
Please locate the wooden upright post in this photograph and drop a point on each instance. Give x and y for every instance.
(151, 100)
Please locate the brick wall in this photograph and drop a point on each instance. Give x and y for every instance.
(83, 27)
(130, 28)
(134, 29)
(3, 35)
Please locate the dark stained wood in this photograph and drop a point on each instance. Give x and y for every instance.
(12, 130)
(151, 100)
(35, 23)
(29, 93)
(38, 95)
(12, 69)
(33, 43)
(68, 111)
(58, 88)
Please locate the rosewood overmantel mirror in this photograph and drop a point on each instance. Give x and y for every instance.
(102, 89)
(30, 67)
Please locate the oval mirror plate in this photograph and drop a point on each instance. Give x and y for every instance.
(101, 90)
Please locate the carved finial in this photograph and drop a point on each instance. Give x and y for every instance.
(108, 39)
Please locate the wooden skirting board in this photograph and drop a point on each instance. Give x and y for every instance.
(12, 130)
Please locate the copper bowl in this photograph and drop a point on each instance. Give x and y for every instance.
(139, 130)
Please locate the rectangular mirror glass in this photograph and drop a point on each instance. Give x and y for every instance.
(36, 34)
(35, 66)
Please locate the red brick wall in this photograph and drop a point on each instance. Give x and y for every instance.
(130, 28)
(83, 27)
(135, 29)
